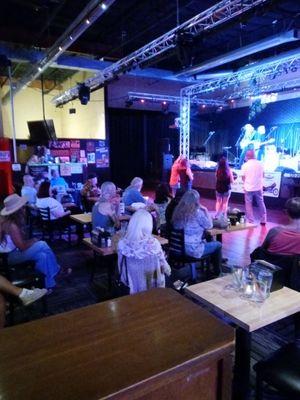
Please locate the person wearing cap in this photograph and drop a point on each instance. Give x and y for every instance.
(19, 249)
(90, 189)
(27, 296)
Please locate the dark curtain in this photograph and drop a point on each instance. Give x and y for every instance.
(137, 142)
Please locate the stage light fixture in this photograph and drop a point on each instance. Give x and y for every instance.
(142, 101)
(83, 94)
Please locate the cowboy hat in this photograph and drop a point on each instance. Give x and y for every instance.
(12, 204)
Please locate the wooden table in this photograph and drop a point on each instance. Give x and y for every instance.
(106, 254)
(231, 228)
(246, 315)
(152, 345)
(86, 218)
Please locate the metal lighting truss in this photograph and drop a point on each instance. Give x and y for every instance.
(93, 10)
(266, 88)
(257, 73)
(156, 98)
(206, 20)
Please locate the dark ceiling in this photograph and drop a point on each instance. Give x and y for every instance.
(129, 24)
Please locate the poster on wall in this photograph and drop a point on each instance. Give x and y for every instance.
(60, 153)
(4, 156)
(61, 144)
(102, 157)
(76, 168)
(65, 170)
(83, 160)
(91, 159)
(82, 153)
(75, 144)
(272, 182)
(74, 154)
(90, 146)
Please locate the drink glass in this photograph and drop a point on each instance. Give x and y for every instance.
(259, 292)
(237, 272)
(266, 278)
(247, 287)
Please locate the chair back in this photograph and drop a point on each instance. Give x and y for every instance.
(289, 264)
(176, 243)
(45, 214)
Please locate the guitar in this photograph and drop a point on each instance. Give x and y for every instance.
(254, 144)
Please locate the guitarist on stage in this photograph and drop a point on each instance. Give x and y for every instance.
(254, 140)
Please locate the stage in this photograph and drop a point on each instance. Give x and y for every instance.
(278, 186)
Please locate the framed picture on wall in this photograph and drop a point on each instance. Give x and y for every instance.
(91, 158)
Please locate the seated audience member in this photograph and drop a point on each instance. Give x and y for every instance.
(161, 201)
(44, 200)
(57, 211)
(132, 193)
(191, 216)
(90, 189)
(105, 211)
(286, 239)
(28, 189)
(142, 254)
(171, 207)
(58, 182)
(13, 242)
(27, 296)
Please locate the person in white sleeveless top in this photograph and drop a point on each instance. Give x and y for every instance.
(13, 242)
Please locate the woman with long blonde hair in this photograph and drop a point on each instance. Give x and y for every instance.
(142, 255)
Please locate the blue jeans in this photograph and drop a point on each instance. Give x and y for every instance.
(214, 249)
(258, 195)
(45, 260)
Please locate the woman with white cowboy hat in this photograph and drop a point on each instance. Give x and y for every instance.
(12, 241)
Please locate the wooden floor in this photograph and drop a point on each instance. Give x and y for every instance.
(237, 246)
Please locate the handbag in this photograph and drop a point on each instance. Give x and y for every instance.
(119, 288)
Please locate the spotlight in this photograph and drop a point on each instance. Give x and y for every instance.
(103, 6)
(87, 21)
(84, 94)
(142, 101)
(165, 107)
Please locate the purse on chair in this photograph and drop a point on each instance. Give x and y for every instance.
(119, 288)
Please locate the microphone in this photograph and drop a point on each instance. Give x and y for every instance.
(211, 132)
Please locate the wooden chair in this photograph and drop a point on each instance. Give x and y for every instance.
(281, 370)
(49, 226)
(21, 275)
(177, 256)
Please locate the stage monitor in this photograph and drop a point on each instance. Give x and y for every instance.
(40, 132)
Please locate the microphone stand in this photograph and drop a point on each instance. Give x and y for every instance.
(237, 144)
(210, 134)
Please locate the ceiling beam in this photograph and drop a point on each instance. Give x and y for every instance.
(264, 44)
(213, 17)
(92, 11)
